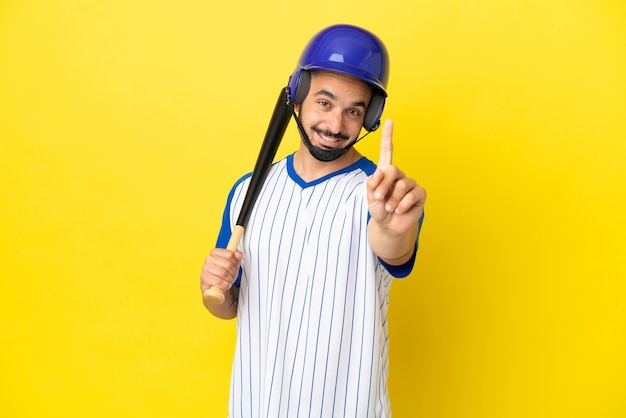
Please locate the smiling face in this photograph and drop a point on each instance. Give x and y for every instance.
(332, 112)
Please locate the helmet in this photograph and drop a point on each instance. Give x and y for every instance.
(349, 50)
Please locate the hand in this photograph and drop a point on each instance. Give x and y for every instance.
(395, 201)
(220, 269)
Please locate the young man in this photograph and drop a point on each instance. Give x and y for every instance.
(309, 283)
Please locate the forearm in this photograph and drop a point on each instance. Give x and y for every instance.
(391, 248)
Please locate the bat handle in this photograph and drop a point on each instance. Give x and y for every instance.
(214, 295)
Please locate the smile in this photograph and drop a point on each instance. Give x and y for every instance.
(328, 138)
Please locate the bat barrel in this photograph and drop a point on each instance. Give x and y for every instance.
(274, 134)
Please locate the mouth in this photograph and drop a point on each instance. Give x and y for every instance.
(327, 139)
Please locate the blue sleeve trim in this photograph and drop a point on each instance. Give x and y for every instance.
(403, 270)
(226, 231)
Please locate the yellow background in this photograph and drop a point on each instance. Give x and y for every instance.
(123, 124)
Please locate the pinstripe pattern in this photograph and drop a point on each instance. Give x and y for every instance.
(312, 320)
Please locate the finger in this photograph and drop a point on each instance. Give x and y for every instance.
(395, 188)
(215, 276)
(386, 184)
(221, 268)
(415, 198)
(386, 145)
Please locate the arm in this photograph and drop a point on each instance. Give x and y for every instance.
(221, 267)
(396, 204)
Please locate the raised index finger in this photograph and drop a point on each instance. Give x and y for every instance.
(386, 145)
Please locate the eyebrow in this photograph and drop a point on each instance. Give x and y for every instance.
(332, 96)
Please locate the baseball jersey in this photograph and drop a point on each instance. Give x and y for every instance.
(312, 336)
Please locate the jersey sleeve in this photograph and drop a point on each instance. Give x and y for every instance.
(226, 229)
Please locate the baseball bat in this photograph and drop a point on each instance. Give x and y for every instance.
(274, 134)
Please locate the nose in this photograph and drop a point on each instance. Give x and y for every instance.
(335, 121)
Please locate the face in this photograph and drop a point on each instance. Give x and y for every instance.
(332, 112)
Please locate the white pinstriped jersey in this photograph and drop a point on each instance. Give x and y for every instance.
(312, 316)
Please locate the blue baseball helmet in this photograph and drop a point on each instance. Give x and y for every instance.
(349, 50)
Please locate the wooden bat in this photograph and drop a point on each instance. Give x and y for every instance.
(273, 136)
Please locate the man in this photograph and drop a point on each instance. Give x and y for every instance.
(309, 283)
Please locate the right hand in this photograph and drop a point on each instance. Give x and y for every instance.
(220, 269)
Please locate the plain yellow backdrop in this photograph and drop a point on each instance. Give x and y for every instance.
(124, 123)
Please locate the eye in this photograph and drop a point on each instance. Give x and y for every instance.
(354, 112)
(323, 103)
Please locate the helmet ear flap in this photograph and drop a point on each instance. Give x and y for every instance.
(371, 121)
(302, 88)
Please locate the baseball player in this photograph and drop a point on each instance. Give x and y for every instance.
(330, 229)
